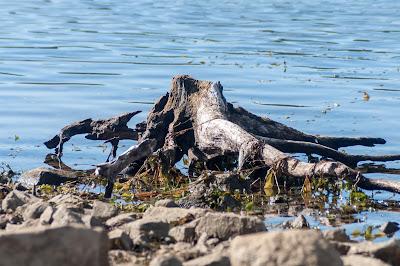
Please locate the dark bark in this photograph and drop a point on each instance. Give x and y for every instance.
(115, 127)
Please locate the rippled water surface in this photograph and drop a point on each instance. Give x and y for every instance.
(304, 63)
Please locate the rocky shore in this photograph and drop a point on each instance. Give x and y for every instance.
(69, 230)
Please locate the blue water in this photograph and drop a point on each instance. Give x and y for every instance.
(67, 60)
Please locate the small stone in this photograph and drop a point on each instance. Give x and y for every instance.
(165, 260)
(91, 221)
(122, 219)
(35, 210)
(226, 225)
(185, 232)
(124, 258)
(337, 234)
(103, 211)
(292, 247)
(47, 216)
(65, 216)
(169, 203)
(213, 259)
(147, 228)
(3, 220)
(173, 215)
(119, 240)
(17, 198)
(390, 228)
(300, 222)
(357, 260)
(70, 201)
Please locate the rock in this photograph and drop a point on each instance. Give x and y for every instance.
(70, 201)
(121, 219)
(337, 234)
(34, 210)
(300, 222)
(357, 260)
(17, 198)
(226, 225)
(213, 259)
(43, 175)
(119, 240)
(3, 221)
(91, 221)
(388, 251)
(173, 215)
(185, 232)
(65, 216)
(103, 211)
(27, 224)
(62, 246)
(389, 228)
(47, 216)
(124, 258)
(165, 260)
(169, 203)
(142, 231)
(293, 247)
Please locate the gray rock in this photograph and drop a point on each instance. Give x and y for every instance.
(226, 225)
(119, 240)
(390, 228)
(169, 203)
(124, 258)
(91, 221)
(173, 215)
(64, 216)
(62, 246)
(26, 224)
(122, 219)
(337, 234)
(357, 260)
(103, 211)
(300, 222)
(145, 230)
(213, 259)
(34, 210)
(293, 247)
(388, 251)
(43, 175)
(47, 216)
(165, 260)
(185, 232)
(3, 220)
(70, 201)
(17, 198)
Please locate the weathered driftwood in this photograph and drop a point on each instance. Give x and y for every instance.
(195, 119)
(111, 130)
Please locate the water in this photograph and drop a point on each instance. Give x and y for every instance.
(304, 63)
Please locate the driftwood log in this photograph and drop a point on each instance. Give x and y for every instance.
(194, 119)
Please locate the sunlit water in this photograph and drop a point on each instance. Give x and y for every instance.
(304, 63)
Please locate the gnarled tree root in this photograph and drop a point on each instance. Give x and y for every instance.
(112, 130)
(195, 119)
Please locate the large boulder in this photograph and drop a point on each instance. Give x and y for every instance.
(43, 175)
(61, 246)
(226, 225)
(293, 247)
